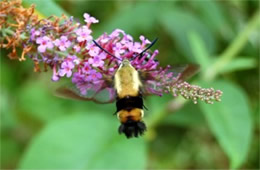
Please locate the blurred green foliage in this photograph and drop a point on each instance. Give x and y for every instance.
(41, 131)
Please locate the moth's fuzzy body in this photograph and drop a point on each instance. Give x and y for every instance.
(127, 81)
(129, 100)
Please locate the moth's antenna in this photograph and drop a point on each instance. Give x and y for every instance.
(147, 48)
(106, 50)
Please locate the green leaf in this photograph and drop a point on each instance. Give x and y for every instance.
(47, 8)
(230, 121)
(179, 23)
(157, 109)
(83, 141)
(199, 50)
(7, 110)
(189, 115)
(10, 151)
(36, 100)
(212, 13)
(128, 18)
(239, 64)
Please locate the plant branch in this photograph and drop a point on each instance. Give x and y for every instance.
(235, 47)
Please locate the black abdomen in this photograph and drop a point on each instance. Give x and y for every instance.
(130, 112)
(129, 102)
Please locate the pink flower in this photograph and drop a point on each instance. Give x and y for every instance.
(103, 55)
(97, 61)
(116, 33)
(104, 38)
(86, 68)
(73, 58)
(94, 76)
(144, 41)
(76, 48)
(126, 39)
(55, 76)
(45, 42)
(66, 68)
(81, 84)
(118, 49)
(111, 69)
(93, 50)
(34, 33)
(77, 78)
(89, 19)
(63, 43)
(83, 34)
(134, 47)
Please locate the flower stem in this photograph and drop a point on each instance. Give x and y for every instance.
(11, 32)
(233, 49)
(59, 52)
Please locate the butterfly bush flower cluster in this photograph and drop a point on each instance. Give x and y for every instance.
(67, 48)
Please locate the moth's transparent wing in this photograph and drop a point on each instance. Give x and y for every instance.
(185, 71)
(153, 84)
(100, 93)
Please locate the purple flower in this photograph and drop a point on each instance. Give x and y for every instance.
(63, 43)
(96, 61)
(111, 69)
(134, 47)
(76, 48)
(103, 55)
(86, 68)
(55, 76)
(81, 84)
(144, 41)
(93, 49)
(77, 77)
(83, 34)
(89, 19)
(118, 49)
(116, 33)
(66, 68)
(151, 63)
(94, 76)
(45, 42)
(34, 33)
(126, 39)
(73, 58)
(104, 38)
